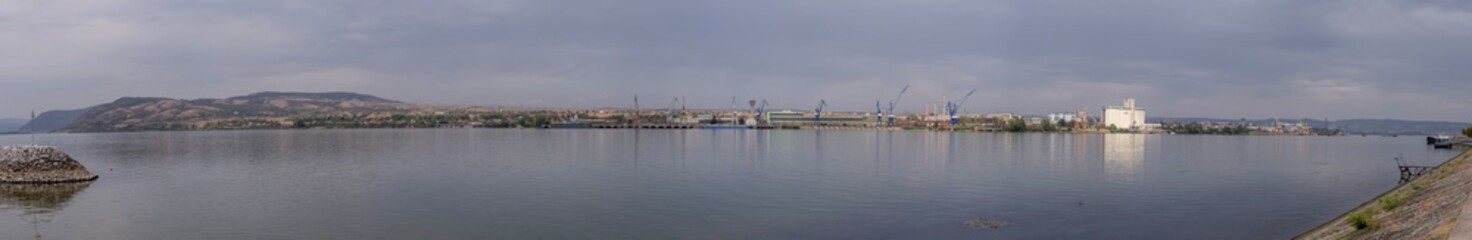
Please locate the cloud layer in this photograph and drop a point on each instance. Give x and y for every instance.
(1249, 58)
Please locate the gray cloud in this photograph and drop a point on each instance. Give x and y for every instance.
(1251, 58)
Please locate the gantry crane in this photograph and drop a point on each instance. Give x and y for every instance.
(895, 102)
(878, 114)
(672, 111)
(818, 113)
(761, 110)
(953, 107)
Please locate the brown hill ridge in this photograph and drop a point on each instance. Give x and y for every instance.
(259, 109)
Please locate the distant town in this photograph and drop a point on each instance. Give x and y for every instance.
(275, 110)
(1122, 118)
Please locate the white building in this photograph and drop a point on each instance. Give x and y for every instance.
(1062, 117)
(1000, 116)
(1125, 117)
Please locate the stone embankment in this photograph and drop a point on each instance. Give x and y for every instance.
(1424, 208)
(40, 164)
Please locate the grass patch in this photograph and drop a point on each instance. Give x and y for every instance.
(1363, 220)
(1393, 200)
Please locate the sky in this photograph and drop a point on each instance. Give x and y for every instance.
(1228, 59)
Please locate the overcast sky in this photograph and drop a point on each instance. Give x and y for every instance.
(1230, 59)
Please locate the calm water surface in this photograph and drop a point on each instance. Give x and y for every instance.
(700, 184)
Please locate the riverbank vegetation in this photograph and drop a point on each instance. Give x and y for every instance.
(1198, 128)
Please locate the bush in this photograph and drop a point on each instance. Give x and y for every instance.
(1362, 220)
(1467, 132)
(1390, 202)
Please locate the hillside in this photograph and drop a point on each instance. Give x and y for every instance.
(1391, 126)
(11, 124)
(145, 113)
(51, 121)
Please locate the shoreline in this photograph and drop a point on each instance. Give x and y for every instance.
(804, 128)
(1417, 209)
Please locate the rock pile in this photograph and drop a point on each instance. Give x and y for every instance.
(40, 164)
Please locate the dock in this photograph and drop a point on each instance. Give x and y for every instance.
(1410, 172)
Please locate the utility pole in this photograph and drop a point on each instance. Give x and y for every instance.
(636, 110)
(32, 129)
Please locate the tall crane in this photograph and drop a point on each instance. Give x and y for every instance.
(636, 110)
(761, 110)
(818, 113)
(735, 115)
(674, 113)
(878, 114)
(954, 107)
(895, 102)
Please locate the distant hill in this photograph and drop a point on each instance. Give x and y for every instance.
(151, 113)
(11, 124)
(313, 97)
(1391, 126)
(51, 121)
(1362, 126)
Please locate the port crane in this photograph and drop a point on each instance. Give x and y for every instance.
(761, 109)
(953, 107)
(675, 113)
(635, 118)
(896, 101)
(878, 114)
(818, 113)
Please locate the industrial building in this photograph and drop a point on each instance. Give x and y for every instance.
(1125, 117)
(791, 118)
(1063, 117)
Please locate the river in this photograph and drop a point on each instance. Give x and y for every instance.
(700, 184)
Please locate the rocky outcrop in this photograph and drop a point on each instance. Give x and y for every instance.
(40, 164)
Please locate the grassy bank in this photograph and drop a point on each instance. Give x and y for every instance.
(1424, 208)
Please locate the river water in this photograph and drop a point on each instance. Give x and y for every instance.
(700, 184)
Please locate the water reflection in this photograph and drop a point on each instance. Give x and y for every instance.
(1124, 154)
(39, 198)
(37, 202)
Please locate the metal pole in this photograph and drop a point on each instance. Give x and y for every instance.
(32, 128)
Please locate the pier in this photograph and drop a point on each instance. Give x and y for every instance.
(1409, 172)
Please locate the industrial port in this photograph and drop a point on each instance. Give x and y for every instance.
(947, 115)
